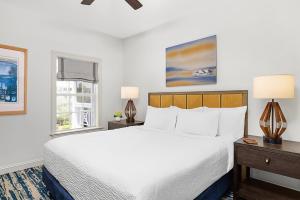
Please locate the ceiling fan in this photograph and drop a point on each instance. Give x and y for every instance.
(135, 4)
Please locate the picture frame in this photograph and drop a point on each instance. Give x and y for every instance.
(192, 63)
(13, 80)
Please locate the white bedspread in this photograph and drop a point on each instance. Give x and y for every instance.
(136, 163)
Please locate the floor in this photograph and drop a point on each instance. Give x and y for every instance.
(28, 184)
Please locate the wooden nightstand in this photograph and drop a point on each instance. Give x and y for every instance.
(121, 124)
(281, 159)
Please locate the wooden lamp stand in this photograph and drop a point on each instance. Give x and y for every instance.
(130, 111)
(273, 123)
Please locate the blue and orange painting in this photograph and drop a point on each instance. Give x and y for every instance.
(192, 63)
(8, 79)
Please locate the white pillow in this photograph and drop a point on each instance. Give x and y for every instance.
(200, 123)
(161, 118)
(232, 121)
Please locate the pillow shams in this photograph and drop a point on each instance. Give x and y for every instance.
(232, 121)
(200, 123)
(160, 118)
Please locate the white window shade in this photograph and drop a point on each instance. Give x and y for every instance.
(77, 70)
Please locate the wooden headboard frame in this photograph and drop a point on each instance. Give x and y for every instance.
(212, 99)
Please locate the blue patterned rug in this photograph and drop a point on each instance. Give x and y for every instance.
(28, 184)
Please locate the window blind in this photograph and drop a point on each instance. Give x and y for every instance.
(77, 70)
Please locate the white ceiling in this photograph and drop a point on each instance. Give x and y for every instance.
(113, 17)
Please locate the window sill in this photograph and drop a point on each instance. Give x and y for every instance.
(76, 131)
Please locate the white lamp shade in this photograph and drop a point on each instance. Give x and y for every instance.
(129, 92)
(274, 87)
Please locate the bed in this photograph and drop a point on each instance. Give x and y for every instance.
(138, 163)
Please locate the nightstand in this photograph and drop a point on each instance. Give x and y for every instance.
(281, 159)
(121, 124)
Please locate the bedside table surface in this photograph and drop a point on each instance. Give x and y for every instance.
(287, 146)
(123, 122)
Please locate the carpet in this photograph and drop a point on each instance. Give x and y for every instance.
(28, 184)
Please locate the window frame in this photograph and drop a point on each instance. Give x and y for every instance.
(54, 56)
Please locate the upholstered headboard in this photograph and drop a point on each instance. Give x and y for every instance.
(212, 99)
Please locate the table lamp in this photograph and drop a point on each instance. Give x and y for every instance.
(273, 122)
(130, 110)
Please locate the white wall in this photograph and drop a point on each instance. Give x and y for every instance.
(22, 137)
(254, 38)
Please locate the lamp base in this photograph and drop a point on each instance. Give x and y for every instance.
(130, 111)
(273, 123)
(130, 120)
(272, 140)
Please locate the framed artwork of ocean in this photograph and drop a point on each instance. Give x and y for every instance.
(13, 80)
(192, 63)
(8, 79)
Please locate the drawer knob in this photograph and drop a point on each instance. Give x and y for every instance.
(267, 161)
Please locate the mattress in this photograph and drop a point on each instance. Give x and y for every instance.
(136, 163)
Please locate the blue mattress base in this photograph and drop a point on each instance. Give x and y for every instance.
(57, 191)
(217, 190)
(214, 192)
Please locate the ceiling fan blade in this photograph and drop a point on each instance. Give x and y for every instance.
(135, 4)
(87, 2)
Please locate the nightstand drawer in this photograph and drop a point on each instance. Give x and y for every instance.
(281, 163)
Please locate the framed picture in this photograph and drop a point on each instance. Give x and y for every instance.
(13, 80)
(192, 63)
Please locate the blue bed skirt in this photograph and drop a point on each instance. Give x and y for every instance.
(214, 192)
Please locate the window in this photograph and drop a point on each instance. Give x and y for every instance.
(76, 105)
(76, 95)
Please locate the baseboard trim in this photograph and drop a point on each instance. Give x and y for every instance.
(20, 166)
